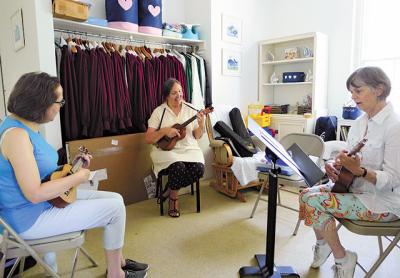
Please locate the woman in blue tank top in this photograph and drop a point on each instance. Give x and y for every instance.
(26, 158)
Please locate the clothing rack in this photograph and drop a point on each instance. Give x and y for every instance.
(194, 48)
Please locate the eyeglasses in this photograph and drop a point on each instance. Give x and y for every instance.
(61, 102)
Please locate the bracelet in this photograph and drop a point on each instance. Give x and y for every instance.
(363, 174)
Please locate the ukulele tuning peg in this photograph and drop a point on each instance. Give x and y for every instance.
(83, 149)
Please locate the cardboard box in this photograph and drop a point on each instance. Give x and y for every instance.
(127, 160)
(69, 9)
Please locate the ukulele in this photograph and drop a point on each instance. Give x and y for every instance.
(166, 143)
(346, 177)
(68, 196)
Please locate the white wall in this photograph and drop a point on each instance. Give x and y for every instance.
(35, 56)
(238, 91)
(334, 18)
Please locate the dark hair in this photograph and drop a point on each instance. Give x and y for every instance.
(168, 87)
(372, 77)
(32, 95)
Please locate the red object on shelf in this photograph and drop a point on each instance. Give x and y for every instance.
(266, 109)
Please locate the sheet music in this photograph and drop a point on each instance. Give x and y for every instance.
(272, 144)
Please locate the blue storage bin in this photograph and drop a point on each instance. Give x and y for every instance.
(150, 17)
(288, 77)
(190, 31)
(97, 21)
(122, 14)
(351, 112)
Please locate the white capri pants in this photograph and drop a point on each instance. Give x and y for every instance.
(92, 209)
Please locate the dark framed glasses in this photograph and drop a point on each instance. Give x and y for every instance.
(61, 102)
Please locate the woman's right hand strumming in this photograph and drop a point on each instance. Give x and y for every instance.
(83, 174)
(172, 132)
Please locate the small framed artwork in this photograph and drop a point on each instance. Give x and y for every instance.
(17, 27)
(231, 29)
(231, 62)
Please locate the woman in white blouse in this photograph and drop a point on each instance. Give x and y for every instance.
(184, 164)
(375, 192)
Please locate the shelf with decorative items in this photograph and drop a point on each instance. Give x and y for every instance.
(293, 72)
(288, 84)
(291, 61)
(86, 29)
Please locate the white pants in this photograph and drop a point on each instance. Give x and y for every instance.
(92, 209)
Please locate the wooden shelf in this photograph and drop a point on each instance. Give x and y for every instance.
(287, 84)
(106, 31)
(292, 61)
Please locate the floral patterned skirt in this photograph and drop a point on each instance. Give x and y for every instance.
(318, 206)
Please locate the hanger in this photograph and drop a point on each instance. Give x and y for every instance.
(145, 52)
(71, 45)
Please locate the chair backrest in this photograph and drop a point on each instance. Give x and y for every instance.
(332, 148)
(311, 144)
(220, 113)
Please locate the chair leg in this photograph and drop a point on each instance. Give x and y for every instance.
(75, 262)
(14, 267)
(3, 244)
(279, 195)
(257, 200)
(21, 265)
(297, 227)
(197, 195)
(38, 259)
(160, 192)
(83, 250)
(380, 245)
(383, 256)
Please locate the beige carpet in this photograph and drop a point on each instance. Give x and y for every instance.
(218, 241)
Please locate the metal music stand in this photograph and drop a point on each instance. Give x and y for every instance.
(266, 267)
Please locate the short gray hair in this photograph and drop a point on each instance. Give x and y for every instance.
(372, 77)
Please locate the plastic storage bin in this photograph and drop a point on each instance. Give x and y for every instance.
(262, 120)
(351, 112)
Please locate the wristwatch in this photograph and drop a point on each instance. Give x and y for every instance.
(363, 174)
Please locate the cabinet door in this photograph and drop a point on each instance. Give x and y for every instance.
(285, 127)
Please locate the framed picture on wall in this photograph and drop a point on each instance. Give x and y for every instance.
(231, 62)
(17, 27)
(231, 29)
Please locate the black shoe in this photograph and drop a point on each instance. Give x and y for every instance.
(135, 274)
(135, 266)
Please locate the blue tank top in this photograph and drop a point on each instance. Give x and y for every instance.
(15, 209)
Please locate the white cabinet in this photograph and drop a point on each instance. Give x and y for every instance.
(274, 59)
(286, 124)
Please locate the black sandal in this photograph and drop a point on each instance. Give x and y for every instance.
(173, 212)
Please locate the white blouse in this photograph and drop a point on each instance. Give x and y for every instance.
(381, 154)
(187, 149)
